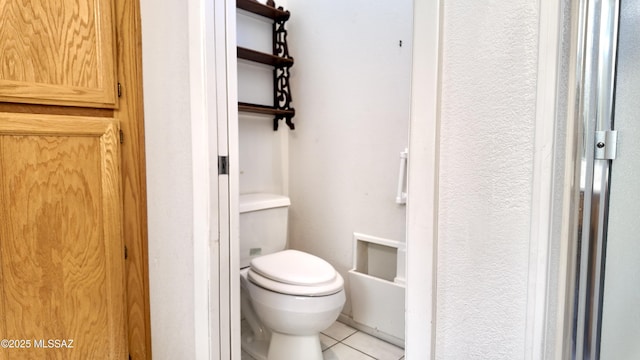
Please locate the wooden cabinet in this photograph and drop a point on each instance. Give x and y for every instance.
(58, 52)
(61, 249)
(73, 237)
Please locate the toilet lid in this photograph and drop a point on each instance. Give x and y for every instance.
(325, 289)
(295, 273)
(294, 267)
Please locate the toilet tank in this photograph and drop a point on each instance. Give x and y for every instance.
(263, 225)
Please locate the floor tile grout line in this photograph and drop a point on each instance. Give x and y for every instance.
(358, 350)
(362, 351)
(331, 337)
(350, 336)
(340, 341)
(351, 347)
(329, 347)
(354, 348)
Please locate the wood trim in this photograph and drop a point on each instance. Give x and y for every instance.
(46, 124)
(55, 110)
(131, 116)
(111, 182)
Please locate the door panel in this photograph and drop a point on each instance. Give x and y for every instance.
(61, 248)
(620, 312)
(57, 52)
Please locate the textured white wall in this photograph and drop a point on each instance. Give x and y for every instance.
(169, 177)
(488, 98)
(351, 84)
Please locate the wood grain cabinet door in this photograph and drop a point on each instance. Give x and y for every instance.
(59, 52)
(61, 249)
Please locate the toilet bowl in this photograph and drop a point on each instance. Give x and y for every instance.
(288, 298)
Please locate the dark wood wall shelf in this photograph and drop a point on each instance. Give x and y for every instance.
(267, 11)
(264, 109)
(263, 58)
(286, 114)
(280, 60)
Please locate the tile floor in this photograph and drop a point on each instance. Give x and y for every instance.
(342, 342)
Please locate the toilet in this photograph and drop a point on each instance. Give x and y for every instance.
(287, 296)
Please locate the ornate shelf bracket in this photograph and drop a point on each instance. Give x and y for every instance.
(281, 92)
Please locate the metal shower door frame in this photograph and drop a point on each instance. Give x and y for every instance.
(596, 65)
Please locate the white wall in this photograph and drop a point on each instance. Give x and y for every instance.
(263, 152)
(169, 177)
(351, 92)
(488, 108)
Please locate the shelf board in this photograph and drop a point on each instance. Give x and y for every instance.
(263, 58)
(263, 109)
(263, 10)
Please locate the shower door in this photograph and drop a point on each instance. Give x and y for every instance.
(606, 312)
(620, 326)
(607, 297)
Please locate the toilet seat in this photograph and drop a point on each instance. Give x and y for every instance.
(298, 290)
(294, 272)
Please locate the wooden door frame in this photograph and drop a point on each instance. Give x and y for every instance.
(131, 117)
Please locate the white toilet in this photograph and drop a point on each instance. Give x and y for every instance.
(288, 296)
